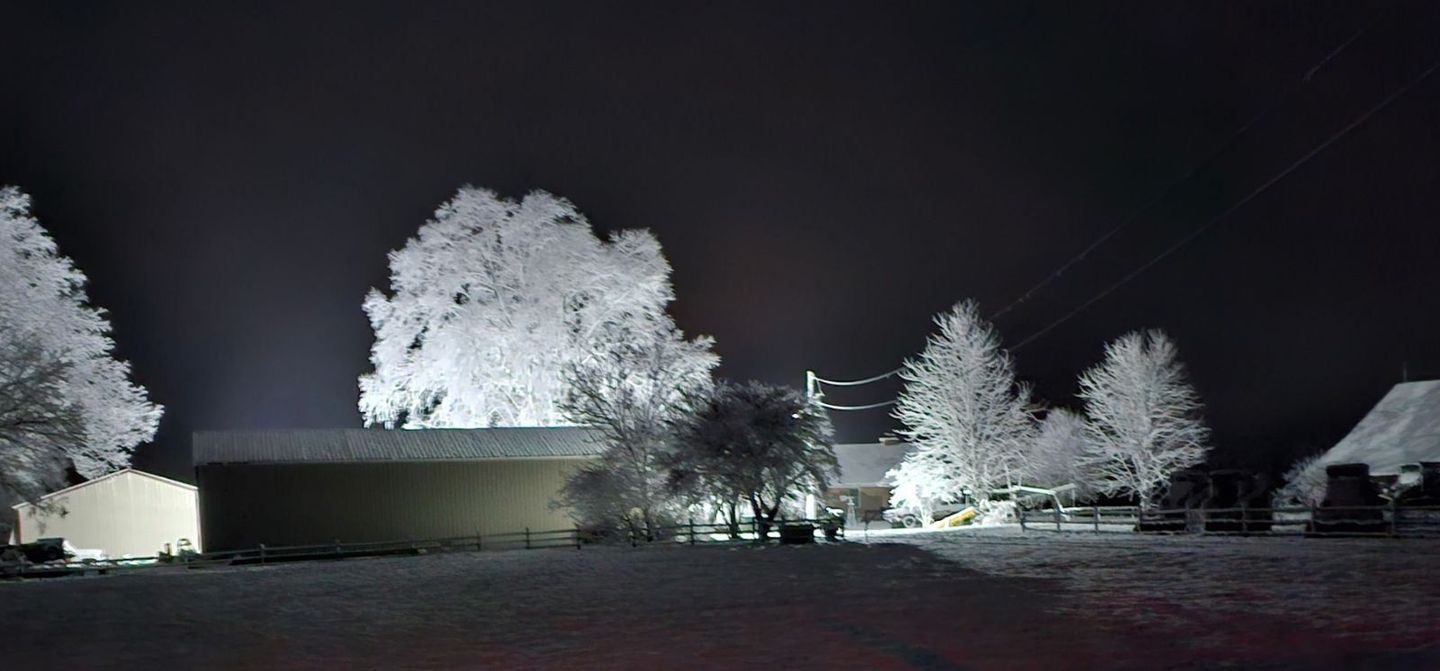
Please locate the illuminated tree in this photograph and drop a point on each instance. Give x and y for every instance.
(1144, 417)
(493, 300)
(964, 412)
(63, 395)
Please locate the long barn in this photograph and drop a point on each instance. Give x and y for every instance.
(308, 487)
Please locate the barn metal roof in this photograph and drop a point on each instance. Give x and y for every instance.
(378, 445)
(1403, 428)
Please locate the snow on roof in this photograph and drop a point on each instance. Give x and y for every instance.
(107, 476)
(1403, 428)
(865, 464)
(376, 445)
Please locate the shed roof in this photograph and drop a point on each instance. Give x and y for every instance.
(1403, 428)
(865, 464)
(379, 445)
(108, 476)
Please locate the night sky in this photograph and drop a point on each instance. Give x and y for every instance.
(824, 178)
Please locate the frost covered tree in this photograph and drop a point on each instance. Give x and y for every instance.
(1054, 458)
(964, 412)
(1144, 417)
(64, 398)
(493, 300)
(760, 444)
(632, 394)
(1305, 483)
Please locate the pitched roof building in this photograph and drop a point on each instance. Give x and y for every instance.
(357, 485)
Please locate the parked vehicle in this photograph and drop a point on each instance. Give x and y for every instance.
(910, 518)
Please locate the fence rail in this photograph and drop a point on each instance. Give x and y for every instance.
(690, 533)
(1372, 521)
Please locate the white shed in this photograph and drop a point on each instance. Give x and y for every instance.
(127, 512)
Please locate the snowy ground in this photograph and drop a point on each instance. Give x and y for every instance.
(951, 600)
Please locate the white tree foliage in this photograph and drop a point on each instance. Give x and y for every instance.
(492, 300)
(1305, 483)
(964, 412)
(1144, 417)
(1056, 454)
(63, 395)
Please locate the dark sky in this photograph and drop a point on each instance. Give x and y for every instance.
(824, 177)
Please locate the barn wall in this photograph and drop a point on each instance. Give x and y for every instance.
(127, 513)
(244, 505)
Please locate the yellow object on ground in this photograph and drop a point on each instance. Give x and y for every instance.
(958, 519)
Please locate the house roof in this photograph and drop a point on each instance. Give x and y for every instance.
(108, 476)
(865, 464)
(1403, 428)
(378, 445)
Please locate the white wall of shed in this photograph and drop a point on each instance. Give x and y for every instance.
(128, 513)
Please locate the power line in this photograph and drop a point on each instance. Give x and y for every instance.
(1309, 74)
(1175, 183)
(868, 406)
(1230, 210)
(852, 383)
(1158, 198)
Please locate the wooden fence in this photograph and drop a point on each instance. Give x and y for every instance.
(680, 534)
(1360, 521)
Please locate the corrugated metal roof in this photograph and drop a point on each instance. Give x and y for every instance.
(865, 464)
(107, 476)
(1403, 428)
(371, 445)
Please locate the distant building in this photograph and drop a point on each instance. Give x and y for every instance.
(355, 485)
(1403, 428)
(863, 489)
(127, 512)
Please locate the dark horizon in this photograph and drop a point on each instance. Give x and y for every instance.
(824, 179)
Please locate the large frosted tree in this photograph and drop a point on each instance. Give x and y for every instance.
(64, 398)
(964, 411)
(493, 300)
(1144, 417)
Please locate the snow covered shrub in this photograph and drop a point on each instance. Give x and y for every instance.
(1304, 484)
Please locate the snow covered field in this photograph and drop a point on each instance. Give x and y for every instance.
(952, 600)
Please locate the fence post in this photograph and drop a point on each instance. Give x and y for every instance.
(577, 537)
(479, 544)
(1095, 510)
(527, 538)
(1020, 513)
(1057, 520)
(1311, 524)
(262, 553)
(1244, 519)
(692, 530)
